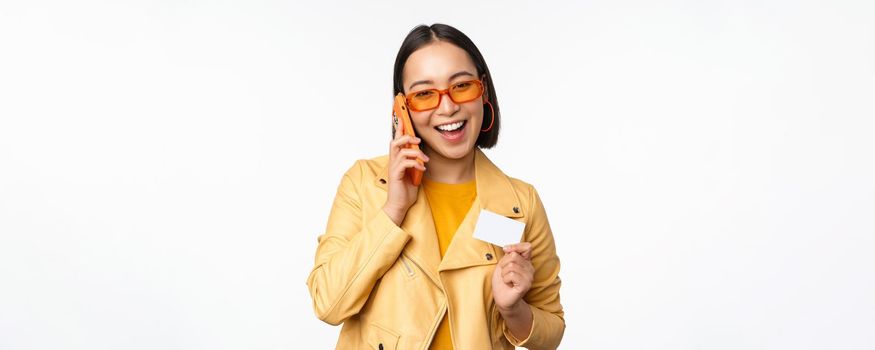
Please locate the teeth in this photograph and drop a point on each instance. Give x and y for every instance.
(450, 127)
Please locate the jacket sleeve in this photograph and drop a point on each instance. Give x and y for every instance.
(353, 253)
(548, 318)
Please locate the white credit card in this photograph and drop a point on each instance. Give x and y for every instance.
(498, 229)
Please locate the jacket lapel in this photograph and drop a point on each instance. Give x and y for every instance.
(422, 248)
(494, 188)
(495, 193)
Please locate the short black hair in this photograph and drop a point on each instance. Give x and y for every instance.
(422, 35)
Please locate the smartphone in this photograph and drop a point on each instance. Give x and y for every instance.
(400, 114)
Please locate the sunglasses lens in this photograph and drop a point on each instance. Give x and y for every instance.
(459, 93)
(423, 100)
(467, 91)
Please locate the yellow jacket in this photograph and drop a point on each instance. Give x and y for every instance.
(389, 286)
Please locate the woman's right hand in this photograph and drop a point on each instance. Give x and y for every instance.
(402, 193)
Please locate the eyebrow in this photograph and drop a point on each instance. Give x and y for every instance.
(454, 76)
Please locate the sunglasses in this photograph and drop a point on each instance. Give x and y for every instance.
(461, 92)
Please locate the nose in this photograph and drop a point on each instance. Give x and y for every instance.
(446, 107)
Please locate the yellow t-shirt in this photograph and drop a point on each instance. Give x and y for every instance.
(449, 205)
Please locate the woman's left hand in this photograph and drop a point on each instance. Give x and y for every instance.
(513, 276)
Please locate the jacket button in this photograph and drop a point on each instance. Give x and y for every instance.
(516, 210)
(381, 346)
(488, 256)
(383, 181)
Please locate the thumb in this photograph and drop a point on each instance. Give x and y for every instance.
(523, 248)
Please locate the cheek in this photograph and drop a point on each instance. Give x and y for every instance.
(420, 119)
(475, 109)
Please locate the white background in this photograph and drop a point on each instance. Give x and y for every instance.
(166, 166)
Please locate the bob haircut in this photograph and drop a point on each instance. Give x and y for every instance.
(423, 35)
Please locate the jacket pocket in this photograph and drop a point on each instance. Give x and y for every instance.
(380, 338)
(408, 266)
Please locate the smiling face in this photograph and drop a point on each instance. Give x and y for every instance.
(451, 129)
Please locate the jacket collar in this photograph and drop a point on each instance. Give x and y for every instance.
(494, 189)
(495, 193)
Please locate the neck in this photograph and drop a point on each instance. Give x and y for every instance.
(448, 170)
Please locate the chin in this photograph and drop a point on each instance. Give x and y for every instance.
(457, 151)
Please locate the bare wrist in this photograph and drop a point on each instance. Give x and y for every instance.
(397, 215)
(517, 309)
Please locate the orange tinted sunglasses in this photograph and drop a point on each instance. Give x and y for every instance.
(461, 92)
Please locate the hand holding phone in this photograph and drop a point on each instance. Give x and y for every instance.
(401, 116)
(406, 164)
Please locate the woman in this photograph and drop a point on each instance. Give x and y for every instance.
(398, 265)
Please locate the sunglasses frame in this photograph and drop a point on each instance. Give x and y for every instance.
(443, 92)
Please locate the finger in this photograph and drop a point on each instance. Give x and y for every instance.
(398, 170)
(524, 285)
(413, 153)
(521, 271)
(411, 163)
(507, 258)
(399, 127)
(513, 268)
(523, 248)
(511, 265)
(517, 279)
(507, 274)
(511, 278)
(394, 146)
(401, 142)
(514, 258)
(527, 254)
(518, 247)
(527, 273)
